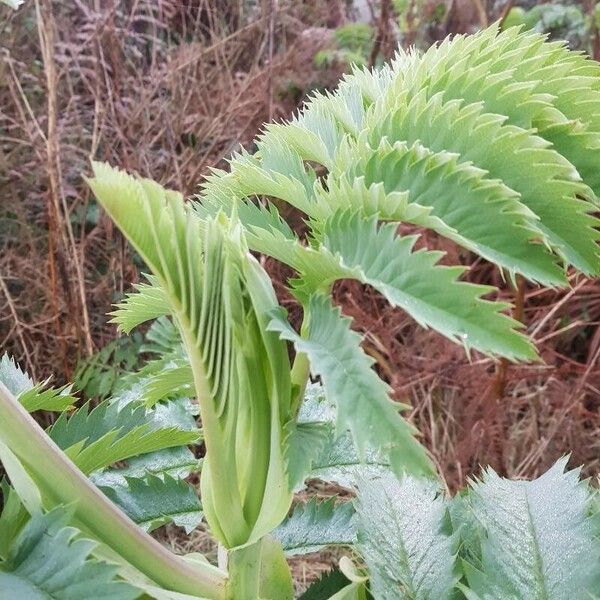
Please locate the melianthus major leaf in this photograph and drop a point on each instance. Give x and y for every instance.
(326, 586)
(155, 501)
(400, 536)
(99, 375)
(316, 452)
(33, 397)
(537, 538)
(490, 140)
(481, 214)
(162, 338)
(149, 483)
(47, 560)
(98, 438)
(176, 462)
(176, 379)
(12, 518)
(412, 280)
(361, 397)
(549, 185)
(220, 298)
(149, 486)
(349, 245)
(316, 525)
(147, 302)
(532, 82)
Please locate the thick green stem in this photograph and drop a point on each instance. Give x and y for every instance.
(61, 482)
(259, 571)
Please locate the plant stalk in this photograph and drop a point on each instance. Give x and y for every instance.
(59, 479)
(259, 571)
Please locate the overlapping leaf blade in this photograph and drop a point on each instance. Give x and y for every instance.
(538, 540)
(155, 501)
(361, 397)
(33, 397)
(401, 539)
(315, 525)
(220, 298)
(109, 433)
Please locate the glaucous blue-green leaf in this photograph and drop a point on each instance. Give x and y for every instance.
(48, 560)
(155, 501)
(401, 538)
(316, 525)
(538, 540)
(316, 452)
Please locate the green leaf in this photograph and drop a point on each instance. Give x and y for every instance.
(153, 501)
(351, 246)
(51, 399)
(48, 561)
(363, 404)
(98, 438)
(326, 586)
(316, 525)
(413, 281)
(319, 454)
(534, 83)
(162, 337)
(176, 462)
(147, 302)
(105, 371)
(12, 519)
(479, 213)
(220, 298)
(400, 537)
(44, 476)
(175, 379)
(538, 539)
(548, 183)
(33, 397)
